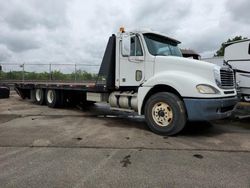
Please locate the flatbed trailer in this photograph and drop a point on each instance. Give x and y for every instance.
(55, 85)
(144, 72)
(68, 92)
(72, 92)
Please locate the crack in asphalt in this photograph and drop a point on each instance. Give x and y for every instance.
(49, 115)
(128, 148)
(80, 115)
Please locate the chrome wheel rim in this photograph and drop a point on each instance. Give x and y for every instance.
(162, 114)
(38, 94)
(247, 98)
(50, 96)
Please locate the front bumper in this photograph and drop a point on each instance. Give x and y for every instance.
(209, 109)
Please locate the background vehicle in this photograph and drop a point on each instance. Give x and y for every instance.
(144, 72)
(4, 91)
(237, 55)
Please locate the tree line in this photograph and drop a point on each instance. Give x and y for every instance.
(79, 75)
(221, 51)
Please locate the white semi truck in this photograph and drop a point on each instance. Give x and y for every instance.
(237, 55)
(143, 71)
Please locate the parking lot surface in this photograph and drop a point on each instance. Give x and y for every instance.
(96, 147)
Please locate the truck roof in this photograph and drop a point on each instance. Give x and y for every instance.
(144, 31)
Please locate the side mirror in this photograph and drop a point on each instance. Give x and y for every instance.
(126, 45)
(0, 67)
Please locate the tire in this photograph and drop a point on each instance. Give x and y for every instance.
(53, 98)
(165, 113)
(246, 98)
(4, 92)
(39, 96)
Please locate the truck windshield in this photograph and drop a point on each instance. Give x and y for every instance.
(161, 46)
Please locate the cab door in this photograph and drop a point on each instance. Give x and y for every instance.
(131, 68)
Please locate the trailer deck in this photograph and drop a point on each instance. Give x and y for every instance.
(55, 85)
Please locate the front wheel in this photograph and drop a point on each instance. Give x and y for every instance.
(246, 98)
(165, 113)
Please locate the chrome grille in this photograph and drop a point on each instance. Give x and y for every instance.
(227, 78)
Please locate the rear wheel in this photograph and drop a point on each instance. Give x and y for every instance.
(53, 98)
(165, 113)
(39, 96)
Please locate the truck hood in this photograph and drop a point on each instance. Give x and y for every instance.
(184, 75)
(184, 65)
(183, 62)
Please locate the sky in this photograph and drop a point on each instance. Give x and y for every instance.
(76, 31)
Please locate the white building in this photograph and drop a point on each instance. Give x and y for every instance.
(215, 60)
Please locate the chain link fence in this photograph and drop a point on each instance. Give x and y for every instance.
(13, 72)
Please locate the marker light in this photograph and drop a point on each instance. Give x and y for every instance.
(122, 29)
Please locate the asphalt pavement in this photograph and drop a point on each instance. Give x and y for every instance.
(96, 147)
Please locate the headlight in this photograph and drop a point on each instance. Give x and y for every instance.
(206, 89)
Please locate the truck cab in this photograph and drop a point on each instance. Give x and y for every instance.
(154, 79)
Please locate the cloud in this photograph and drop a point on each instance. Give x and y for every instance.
(19, 41)
(239, 11)
(5, 53)
(30, 25)
(76, 31)
(25, 15)
(165, 16)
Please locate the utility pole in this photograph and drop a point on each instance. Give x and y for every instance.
(75, 72)
(0, 72)
(50, 73)
(22, 66)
